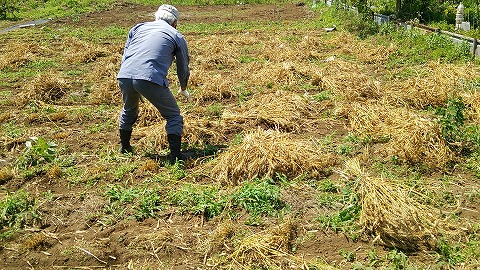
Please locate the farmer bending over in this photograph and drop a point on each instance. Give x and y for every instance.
(149, 51)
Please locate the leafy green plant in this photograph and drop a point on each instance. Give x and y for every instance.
(176, 170)
(398, 260)
(148, 203)
(38, 151)
(328, 185)
(449, 253)
(198, 200)
(461, 137)
(259, 197)
(344, 220)
(116, 193)
(452, 119)
(361, 27)
(131, 202)
(18, 209)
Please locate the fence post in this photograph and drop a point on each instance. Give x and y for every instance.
(475, 43)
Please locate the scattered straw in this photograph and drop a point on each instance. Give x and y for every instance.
(104, 77)
(78, 50)
(270, 249)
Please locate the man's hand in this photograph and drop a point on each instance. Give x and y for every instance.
(185, 93)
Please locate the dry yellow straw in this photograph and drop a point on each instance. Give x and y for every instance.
(269, 249)
(266, 152)
(392, 215)
(283, 110)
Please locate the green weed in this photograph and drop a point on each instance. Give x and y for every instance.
(198, 200)
(18, 209)
(247, 59)
(259, 197)
(13, 130)
(452, 118)
(148, 203)
(345, 219)
(451, 254)
(38, 151)
(176, 171)
(131, 202)
(398, 260)
(347, 255)
(243, 92)
(215, 110)
(123, 169)
(322, 95)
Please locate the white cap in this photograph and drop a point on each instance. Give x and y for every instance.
(168, 8)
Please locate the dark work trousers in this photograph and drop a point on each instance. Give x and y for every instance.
(160, 96)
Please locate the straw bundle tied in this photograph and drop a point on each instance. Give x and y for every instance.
(263, 153)
(412, 137)
(391, 215)
(270, 249)
(283, 110)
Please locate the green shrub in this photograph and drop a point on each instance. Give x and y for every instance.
(8, 9)
(361, 26)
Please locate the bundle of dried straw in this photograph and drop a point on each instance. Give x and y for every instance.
(263, 153)
(392, 215)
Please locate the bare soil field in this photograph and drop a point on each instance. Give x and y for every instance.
(250, 82)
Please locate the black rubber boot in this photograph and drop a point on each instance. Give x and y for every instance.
(175, 143)
(125, 136)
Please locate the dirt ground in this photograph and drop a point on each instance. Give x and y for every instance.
(172, 241)
(129, 15)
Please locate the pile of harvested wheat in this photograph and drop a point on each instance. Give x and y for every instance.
(46, 87)
(282, 110)
(393, 215)
(263, 153)
(197, 132)
(411, 136)
(104, 89)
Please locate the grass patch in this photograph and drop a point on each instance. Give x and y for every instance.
(17, 210)
(259, 198)
(198, 200)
